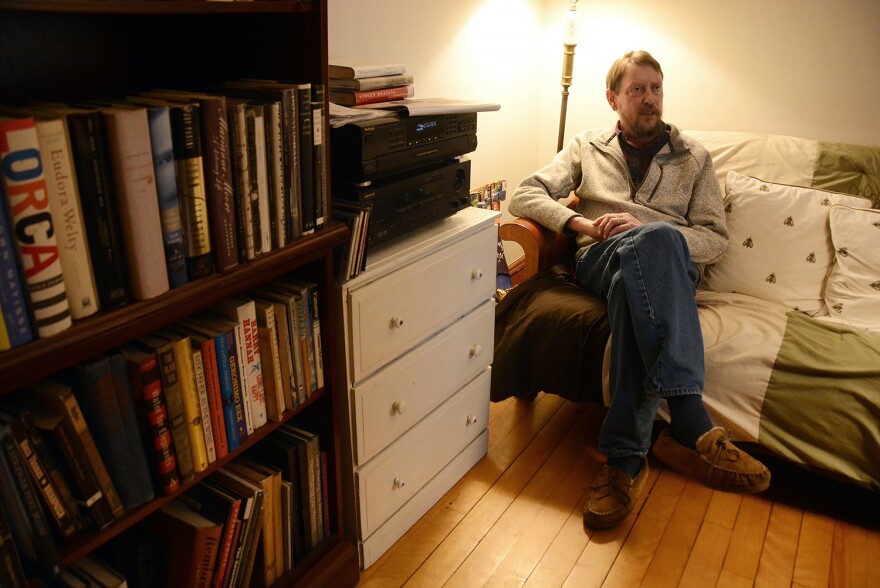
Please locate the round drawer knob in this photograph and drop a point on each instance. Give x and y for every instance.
(471, 419)
(399, 406)
(398, 483)
(475, 350)
(396, 322)
(477, 274)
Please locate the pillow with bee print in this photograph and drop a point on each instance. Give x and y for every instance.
(780, 243)
(853, 290)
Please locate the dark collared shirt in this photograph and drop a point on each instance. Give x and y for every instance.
(638, 159)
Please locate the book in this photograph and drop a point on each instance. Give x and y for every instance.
(102, 390)
(94, 176)
(67, 214)
(193, 541)
(164, 168)
(98, 572)
(220, 506)
(15, 324)
(282, 452)
(257, 144)
(305, 137)
(60, 441)
(311, 299)
(310, 478)
(374, 83)
(250, 522)
(59, 397)
(213, 394)
(57, 510)
(243, 311)
(11, 570)
(227, 335)
(302, 327)
(146, 385)
(28, 524)
(187, 139)
(362, 97)
(228, 381)
(357, 70)
(285, 352)
(244, 181)
(192, 412)
(31, 226)
(171, 386)
(217, 167)
(286, 96)
(269, 480)
(275, 172)
(288, 307)
(131, 155)
(270, 354)
(320, 157)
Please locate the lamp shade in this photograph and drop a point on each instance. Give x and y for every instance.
(571, 24)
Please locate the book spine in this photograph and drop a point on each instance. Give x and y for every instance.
(11, 571)
(32, 228)
(215, 397)
(128, 135)
(204, 409)
(319, 155)
(241, 166)
(88, 139)
(67, 216)
(218, 181)
(168, 197)
(15, 326)
(268, 331)
(275, 169)
(305, 143)
(253, 191)
(145, 378)
(316, 334)
(183, 360)
(292, 163)
(45, 550)
(238, 401)
(376, 83)
(373, 71)
(85, 487)
(257, 151)
(174, 404)
(136, 485)
(63, 520)
(244, 389)
(227, 388)
(191, 186)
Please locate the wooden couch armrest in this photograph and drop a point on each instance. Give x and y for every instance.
(542, 248)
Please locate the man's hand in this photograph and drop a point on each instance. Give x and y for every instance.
(605, 226)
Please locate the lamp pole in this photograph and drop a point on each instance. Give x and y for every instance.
(572, 26)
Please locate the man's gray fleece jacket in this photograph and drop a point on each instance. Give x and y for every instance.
(680, 188)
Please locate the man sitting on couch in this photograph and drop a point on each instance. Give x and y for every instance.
(650, 216)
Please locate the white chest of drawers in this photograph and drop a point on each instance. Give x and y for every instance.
(417, 330)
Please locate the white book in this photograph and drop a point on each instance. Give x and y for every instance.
(204, 408)
(262, 171)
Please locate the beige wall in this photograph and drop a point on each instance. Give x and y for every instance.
(798, 67)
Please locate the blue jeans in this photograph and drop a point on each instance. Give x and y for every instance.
(647, 277)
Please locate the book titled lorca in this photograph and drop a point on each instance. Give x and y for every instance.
(31, 222)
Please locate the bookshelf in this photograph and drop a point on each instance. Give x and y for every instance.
(68, 49)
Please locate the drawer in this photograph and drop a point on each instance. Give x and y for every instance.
(394, 476)
(389, 402)
(392, 314)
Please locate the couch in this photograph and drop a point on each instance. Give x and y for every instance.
(790, 315)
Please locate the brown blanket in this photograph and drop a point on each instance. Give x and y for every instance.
(550, 336)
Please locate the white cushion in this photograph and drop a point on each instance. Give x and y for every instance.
(853, 290)
(780, 244)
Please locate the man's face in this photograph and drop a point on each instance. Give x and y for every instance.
(639, 102)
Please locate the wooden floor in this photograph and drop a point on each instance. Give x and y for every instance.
(516, 520)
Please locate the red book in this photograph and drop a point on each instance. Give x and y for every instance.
(349, 98)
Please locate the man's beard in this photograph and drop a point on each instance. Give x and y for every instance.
(637, 131)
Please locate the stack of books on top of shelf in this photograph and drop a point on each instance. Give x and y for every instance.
(103, 203)
(81, 449)
(358, 85)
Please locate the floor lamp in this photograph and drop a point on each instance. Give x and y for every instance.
(572, 30)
